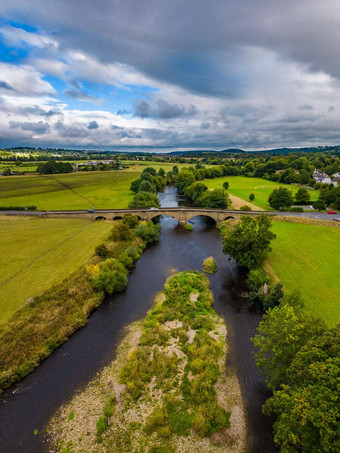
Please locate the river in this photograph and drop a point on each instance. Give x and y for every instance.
(28, 406)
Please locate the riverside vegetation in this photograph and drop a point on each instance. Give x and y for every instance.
(37, 328)
(168, 390)
(297, 354)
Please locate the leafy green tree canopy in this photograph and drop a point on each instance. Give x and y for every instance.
(307, 405)
(214, 199)
(146, 186)
(144, 200)
(248, 242)
(281, 198)
(302, 196)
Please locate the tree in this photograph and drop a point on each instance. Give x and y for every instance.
(195, 190)
(112, 277)
(146, 186)
(281, 198)
(135, 185)
(161, 172)
(175, 170)
(249, 241)
(184, 179)
(110, 281)
(319, 205)
(302, 196)
(144, 200)
(214, 199)
(281, 334)
(7, 171)
(225, 185)
(307, 405)
(251, 197)
(121, 232)
(149, 232)
(131, 220)
(150, 170)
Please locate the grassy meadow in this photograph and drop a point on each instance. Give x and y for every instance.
(37, 253)
(242, 187)
(83, 190)
(306, 258)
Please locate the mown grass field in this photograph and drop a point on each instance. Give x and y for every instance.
(306, 258)
(37, 253)
(83, 190)
(242, 187)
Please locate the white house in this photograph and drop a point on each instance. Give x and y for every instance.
(322, 177)
(336, 179)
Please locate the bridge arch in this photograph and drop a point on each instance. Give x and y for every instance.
(117, 217)
(100, 217)
(229, 217)
(156, 215)
(211, 219)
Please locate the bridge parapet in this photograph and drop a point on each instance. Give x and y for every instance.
(181, 214)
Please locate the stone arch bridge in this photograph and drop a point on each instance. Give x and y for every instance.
(180, 214)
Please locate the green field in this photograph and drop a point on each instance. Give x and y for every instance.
(242, 187)
(83, 190)
(306, 258)
(36, 253)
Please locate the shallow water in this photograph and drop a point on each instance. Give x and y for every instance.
(29, 405)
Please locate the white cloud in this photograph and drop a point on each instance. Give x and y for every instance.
(25, 80)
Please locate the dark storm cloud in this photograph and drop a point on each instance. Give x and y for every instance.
(163, 110)
(80, 95)
(36, 110)
(74, 132)
(123, 112)
(93, 125)
(166, 110)
(195, 44)
(142, 109)
(38, 127)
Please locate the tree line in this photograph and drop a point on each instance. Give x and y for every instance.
(295, 352)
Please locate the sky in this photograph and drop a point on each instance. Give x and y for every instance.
(156, 75)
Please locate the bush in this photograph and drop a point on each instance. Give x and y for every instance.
(110, 281)
(225, 185)
(188, 227)
(296, 209)
(251, 197)
(209, 265)
(245, 207)
(102, 250)
(149, 232)
(130, 220)
(121, 232)
(319, 205)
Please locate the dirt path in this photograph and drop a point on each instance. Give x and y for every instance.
(238, 202)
